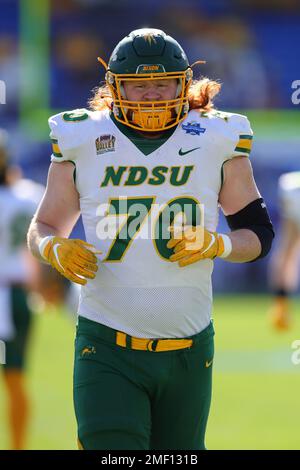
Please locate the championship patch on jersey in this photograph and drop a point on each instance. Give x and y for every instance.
(193, 128)
(105, 143)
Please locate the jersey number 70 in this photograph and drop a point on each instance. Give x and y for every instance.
(137, 209)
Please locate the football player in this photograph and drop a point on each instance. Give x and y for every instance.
(18, 274)
(150, 149)
(285, 262)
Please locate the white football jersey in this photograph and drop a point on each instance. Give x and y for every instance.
(289, 195)
(18, 203)
(137, 289)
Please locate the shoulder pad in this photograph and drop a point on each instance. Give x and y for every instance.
(289, 194)
(289, 181)
(235, 127)
(243, 133)
(69, 130)
(214, 113)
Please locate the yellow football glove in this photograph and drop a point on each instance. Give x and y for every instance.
(192, 244)
(73, 258)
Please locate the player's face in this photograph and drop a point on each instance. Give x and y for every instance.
(150, 90)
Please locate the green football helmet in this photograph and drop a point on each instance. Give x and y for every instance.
(148, 54)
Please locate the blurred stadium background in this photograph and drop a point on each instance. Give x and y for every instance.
(48, 61)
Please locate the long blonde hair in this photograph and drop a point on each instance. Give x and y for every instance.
(200, 95)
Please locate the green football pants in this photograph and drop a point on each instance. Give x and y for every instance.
(129, 399)
(22, 319)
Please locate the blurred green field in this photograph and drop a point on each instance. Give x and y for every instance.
(255, 405)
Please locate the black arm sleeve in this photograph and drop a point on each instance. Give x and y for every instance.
(254, 217)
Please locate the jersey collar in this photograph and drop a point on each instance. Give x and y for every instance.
(146, 146)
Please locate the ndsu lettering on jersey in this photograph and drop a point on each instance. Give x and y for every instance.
(137, 175)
